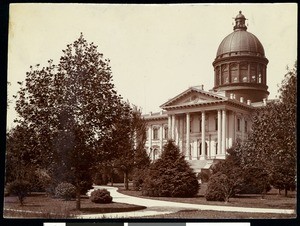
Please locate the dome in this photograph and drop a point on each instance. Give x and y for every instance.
(241, 42)
(240, 66)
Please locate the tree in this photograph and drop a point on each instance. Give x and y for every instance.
(171, 175)
(72, 107)
(272, 143)
(227, 176)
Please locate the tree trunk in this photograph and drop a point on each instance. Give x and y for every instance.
(78, 206)
(285, 192)
(126, 181)
(279, 191)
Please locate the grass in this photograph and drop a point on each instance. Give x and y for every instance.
(206, 214)
(271, 200)
(38, 205)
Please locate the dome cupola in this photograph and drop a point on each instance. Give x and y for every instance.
(240, 64)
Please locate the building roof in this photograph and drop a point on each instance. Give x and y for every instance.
(240, 42)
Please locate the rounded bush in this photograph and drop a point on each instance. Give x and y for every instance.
(66, 191)
(101, 196)
(214, 190)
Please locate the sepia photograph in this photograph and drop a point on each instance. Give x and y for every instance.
(151, 111)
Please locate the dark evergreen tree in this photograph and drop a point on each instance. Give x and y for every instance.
(171, 175)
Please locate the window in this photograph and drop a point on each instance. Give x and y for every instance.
(216, 148)
(259, 78)
(155, 133)
(246, 127)
(200, 125)
(239, 124)
(166, 131)
(216, 123)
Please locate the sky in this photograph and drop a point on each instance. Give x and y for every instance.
(156, 51)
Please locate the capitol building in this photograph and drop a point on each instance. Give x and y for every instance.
(204, 124)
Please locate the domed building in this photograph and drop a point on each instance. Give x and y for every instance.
(240, 65)
(204, 124)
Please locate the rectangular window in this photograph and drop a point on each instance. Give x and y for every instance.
(238, 124)
(216, 123)
(246, 127)
(166, 133)
(155, 133)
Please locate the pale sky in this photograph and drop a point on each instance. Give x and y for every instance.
(156, 51)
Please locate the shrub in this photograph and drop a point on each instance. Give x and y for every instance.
(204, 175)
(139, 178)
(20, 188)
(171, 175)
(66, 191)
(214, 190)
(101, 196)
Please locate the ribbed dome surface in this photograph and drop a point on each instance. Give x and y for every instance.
(241, 42)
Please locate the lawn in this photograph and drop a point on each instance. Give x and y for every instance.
(38, 205)
(271, 200)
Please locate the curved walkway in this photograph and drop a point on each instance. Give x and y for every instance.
(157, 207)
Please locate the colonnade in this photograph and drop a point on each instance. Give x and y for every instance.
(175, 127)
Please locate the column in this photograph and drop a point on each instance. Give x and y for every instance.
(161, 137)
(181, 135)
(223, 132)
(150, 139)
(203, 136)
(173, 127)
(169, 127)
(187, 149)
(219, 132)
(176, 130)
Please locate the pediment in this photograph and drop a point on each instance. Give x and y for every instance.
(192, 96)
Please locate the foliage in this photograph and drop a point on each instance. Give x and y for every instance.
(215, 190)
(171, 175)
(204, 175)
(139, 176)
(20, 188)
(227, 176)
(101, 196)
(71, 107)
(66, 191)
(272, 144)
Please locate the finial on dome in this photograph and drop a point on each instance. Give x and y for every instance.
(240, 22)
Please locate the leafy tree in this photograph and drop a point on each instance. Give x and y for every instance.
(22, 156)
(171, 175)
(272, 143)
(141, 158)
(72, 107)
(227, 176)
